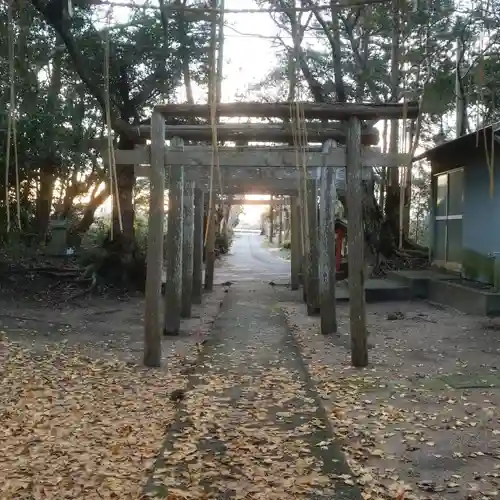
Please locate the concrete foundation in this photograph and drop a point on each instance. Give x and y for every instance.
(450, 290)
(377, 290)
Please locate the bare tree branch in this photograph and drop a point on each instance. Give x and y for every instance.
(148, 86)
(334, 41)
(53, 17)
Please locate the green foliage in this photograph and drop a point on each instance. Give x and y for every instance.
(426, 42)
(59, 87)
(96, 235)
(141, 233)
(385, 55)
(223, 242)
(59, 80)
(287, 245)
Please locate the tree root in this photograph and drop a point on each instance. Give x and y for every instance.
(415, 248)
(401, 261)
(87, 290)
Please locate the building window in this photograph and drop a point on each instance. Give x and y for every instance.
(448, 217)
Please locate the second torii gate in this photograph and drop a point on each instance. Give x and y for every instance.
(260, 170)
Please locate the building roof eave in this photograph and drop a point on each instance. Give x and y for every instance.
(457, 142)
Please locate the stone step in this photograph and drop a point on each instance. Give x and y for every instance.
(377, 290)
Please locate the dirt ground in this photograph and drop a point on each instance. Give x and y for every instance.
(276, 249)
(81, 418)
(425, 415)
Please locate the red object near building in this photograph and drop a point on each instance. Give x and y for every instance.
(341, 269)
(340, 232)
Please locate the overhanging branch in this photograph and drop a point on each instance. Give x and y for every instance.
(54, 19)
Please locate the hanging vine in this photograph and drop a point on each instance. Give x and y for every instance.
(11, 123)
(215, 77)
(299, 133)
(113, 178)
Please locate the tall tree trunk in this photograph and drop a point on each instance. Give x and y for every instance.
(26, 191)
(70, 193)
(407, 193)
(71, 186)
(187, 79)
(184, 53)
(364, 38)
(44, 202)
(48, 164)
(336, 48)
(383, 170)
(286, 212)
(392, 194)
(225, 219)
(126, 182)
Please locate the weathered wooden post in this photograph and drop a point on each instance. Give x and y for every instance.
(286, 210)
(173, 267)
(226, 212)
(198, 246)
(327, 265)
(280, 223)
(187, 248)
(152, 313)
(271, 221)
(210, 248)
(302, 241)
(312, 247)
(295, 244)
(355, 242)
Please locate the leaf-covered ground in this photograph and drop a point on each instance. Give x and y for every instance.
(77, 428)
(251, 427)
(81, 420)
(80, 417)
(425, 415)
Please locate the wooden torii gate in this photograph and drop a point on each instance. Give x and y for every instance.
(260, 170)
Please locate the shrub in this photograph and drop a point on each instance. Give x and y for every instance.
(223, 242)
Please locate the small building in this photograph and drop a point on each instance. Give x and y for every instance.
(465, 205)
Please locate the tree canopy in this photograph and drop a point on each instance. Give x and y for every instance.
(375, 51)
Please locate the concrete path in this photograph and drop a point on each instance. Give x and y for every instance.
(249, 260)
(251, 426)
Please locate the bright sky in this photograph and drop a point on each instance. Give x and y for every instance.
(248, 52)
(247, 56)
